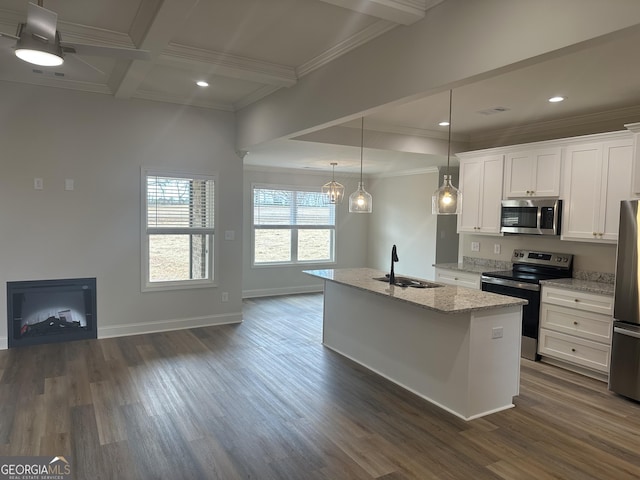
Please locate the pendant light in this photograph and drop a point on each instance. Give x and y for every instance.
(446, 200)
(361, 201)
(333, 191)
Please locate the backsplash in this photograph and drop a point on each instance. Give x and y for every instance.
(488, 264)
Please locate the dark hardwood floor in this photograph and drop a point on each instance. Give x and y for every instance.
(265, 400)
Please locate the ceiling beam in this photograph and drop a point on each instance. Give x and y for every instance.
(153, 28)
(404, 12)
(413, 62)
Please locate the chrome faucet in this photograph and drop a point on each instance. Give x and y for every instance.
(394, 259)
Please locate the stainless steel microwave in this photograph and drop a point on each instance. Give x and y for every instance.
(531, 216)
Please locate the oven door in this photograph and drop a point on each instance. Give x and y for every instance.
(530, 312)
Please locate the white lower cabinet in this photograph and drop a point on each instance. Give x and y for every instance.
(458, 278)
(575, 327)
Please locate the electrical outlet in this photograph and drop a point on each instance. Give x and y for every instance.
(496, 248)
(496, 332)
(475, 246)
(225, 296)
(38, 184)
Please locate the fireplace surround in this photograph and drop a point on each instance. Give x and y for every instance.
(51, 311)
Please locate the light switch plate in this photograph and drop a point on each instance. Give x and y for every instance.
(475, 246)
(68, 183)
(229, 235)
(38, 184)
(496, 248)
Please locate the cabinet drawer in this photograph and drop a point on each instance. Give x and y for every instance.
(580, 323)
(591, 302)
(582, 352)
(457, 278)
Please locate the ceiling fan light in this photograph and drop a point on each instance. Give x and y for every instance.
(39, 57)
(38, 51)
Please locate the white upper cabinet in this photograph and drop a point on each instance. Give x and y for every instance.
(597, 176)
(635, 178)
(481, 187)
(533, 173)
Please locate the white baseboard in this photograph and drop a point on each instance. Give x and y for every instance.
(167, 325)
(154, 327)
(272, 292)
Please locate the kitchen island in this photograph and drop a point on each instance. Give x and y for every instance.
(456, 347)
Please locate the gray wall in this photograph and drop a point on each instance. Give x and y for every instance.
(402, 216)
(94, 230)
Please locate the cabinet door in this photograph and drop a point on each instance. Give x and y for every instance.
(547, 173)
(616, 175)
(518, 175)
(582, 188)
(491, 195)
(533, 173)
(470, 187)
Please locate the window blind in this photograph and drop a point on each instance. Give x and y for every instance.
(179, 204)
(291, 207)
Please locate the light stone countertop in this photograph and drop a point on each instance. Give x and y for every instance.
(600, 288)
(445, 299)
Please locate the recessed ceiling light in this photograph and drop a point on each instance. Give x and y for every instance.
(557, 99)
(444, 124)
(202, 83)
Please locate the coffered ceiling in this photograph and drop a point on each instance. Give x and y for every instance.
(249, 49)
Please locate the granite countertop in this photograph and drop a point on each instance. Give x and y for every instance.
(601, 288)
(444, 299)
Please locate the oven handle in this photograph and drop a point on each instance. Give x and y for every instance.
(510, 283)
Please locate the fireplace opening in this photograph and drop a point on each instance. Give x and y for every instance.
(51, 311)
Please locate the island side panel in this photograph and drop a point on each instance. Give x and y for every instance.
(494, 371)
(424, 351)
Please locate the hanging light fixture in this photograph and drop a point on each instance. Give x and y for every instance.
(446, 200)
(361, 201)
(333, 191)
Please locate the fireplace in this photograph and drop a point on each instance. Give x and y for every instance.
(51, 311)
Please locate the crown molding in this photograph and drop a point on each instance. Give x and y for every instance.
(363, 36)
(404, 173)
(255, 96)
(404, 12)
(180, 100)
(552, 129)
(67, 84)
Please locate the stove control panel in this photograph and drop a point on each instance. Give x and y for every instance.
(530, 257)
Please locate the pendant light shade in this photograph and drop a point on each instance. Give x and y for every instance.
(361, 201)
(446, 200)
(333, 191)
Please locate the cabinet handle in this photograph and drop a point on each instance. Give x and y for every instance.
(576, 300)
(455, 278)
(575, 323)
(594, 234)
(573, 349)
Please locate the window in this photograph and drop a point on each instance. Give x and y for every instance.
(292, 225)
(178, 215)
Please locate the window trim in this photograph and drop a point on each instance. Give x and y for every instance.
(146, 285)
(294, 229)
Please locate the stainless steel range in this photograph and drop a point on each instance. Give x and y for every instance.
(523, 281)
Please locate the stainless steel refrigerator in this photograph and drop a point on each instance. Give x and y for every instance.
(624, 375)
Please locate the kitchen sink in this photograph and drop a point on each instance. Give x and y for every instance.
(409, 282)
